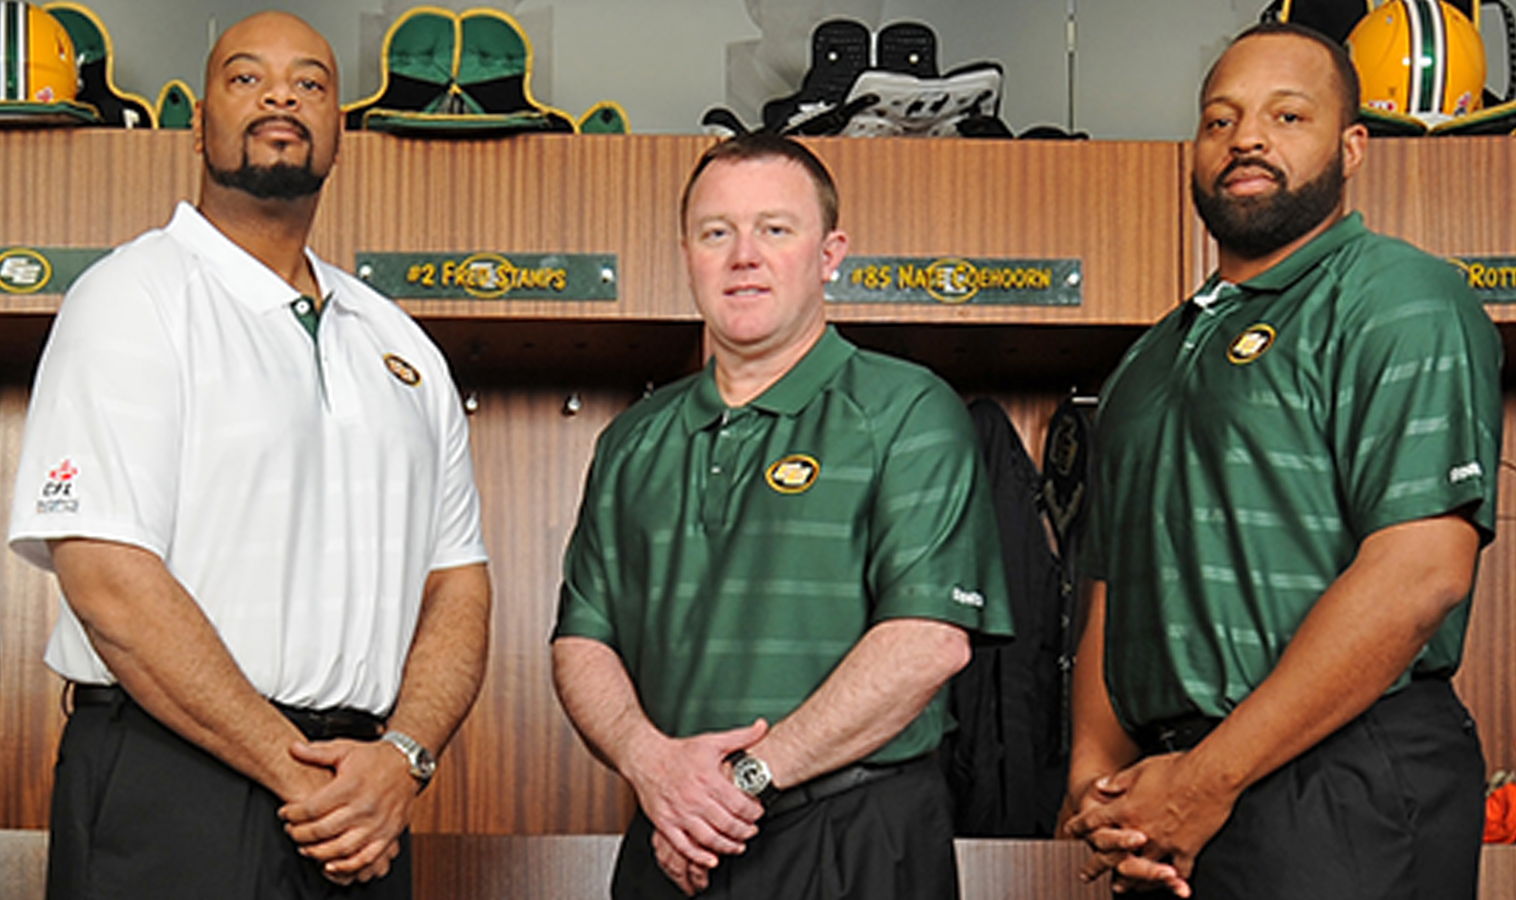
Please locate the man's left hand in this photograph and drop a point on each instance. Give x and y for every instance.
(352, 824)
(1161, 798)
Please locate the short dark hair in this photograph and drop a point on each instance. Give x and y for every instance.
(765, 145)
(1347, 76)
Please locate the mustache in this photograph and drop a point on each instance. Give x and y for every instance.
(1250, 162)
(291, 121)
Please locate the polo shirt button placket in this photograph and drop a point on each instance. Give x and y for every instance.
(718, 482)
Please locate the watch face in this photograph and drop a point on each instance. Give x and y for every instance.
(751, 775)
(425, 765)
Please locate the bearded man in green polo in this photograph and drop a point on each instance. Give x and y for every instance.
(1296, 474)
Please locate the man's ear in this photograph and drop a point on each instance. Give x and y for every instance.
(833, 250)
(1355, 145)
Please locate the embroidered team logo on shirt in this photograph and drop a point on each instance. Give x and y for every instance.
(1254, 341)
(402, 369)
(793, 474)
(58, 490)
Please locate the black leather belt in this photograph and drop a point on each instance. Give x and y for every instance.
(834, 783)
(315, 724)
(1172, 735)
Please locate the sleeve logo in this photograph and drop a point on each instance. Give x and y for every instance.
(402, 370)
(58, 490)
(1254, 341)
(792, 474)
(1465, 472)
(968, 598)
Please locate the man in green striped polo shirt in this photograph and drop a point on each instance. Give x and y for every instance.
(1296, 473)
(775, 569)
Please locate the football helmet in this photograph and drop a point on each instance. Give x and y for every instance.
(1419, 58)
(37, 62)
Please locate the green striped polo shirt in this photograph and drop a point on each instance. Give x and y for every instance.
(732, 557)
(1245, 448)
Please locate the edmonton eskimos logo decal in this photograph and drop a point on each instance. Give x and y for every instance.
(1254, 341)
(792, 474)
(402, 369)
(23, 271)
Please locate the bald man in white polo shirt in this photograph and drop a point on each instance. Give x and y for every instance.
(251, 474)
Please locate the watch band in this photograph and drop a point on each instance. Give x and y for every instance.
(422, 763)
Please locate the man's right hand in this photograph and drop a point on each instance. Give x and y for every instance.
(684, 788)
(1117, 849)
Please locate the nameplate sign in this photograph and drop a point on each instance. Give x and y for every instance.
(44, 270)
(491, 275)
(1492, 278)
(956, 281)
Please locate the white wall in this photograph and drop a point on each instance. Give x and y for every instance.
(1138, 63)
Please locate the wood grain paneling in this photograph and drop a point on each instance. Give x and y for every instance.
(1106, 203)
(516, 766)
(30, 714)
(1112, 204)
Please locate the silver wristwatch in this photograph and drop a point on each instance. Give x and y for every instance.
(751, 775)
(423, 763)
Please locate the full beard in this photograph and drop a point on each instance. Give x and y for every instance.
(1254, 227)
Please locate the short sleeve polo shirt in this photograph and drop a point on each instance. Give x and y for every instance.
(300, 486)
(1247, 447)
(732, 557)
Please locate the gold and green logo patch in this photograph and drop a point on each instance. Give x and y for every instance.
(402, 369)
(1254, 341)
(792, 474)
(23, 271)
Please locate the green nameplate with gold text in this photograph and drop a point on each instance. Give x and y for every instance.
(44, 270)
(1492, 278)
(956, 280)
(489, 275)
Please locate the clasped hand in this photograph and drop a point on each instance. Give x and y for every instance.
(698, 814)
(352, 823)
(1147, 823)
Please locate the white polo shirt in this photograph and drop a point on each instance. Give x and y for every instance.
(301, 490)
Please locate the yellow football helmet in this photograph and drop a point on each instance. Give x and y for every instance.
(1420, 58)
(37, 62)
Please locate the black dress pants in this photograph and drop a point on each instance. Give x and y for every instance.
(139, 812)
(1388, 807)
(890, 839)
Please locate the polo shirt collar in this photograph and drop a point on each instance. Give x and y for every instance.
(787, 396)
(245, 277)
(1287, 271)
